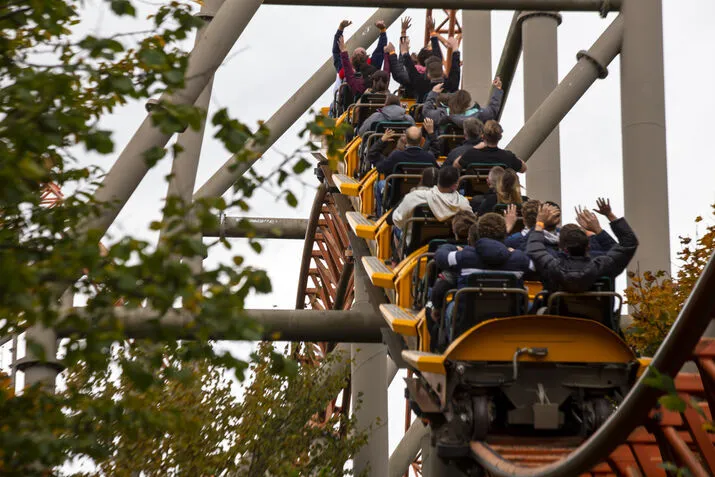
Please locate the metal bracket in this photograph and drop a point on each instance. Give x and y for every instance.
(602, 69)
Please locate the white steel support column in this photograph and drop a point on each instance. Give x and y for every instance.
(645, 171)
(477, 45)
(541, 76)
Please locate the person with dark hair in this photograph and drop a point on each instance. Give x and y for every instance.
(392, 111)
(575, 271)
(443, 199)
(488, 152)
(422, 83)
(486, 251)
(472, 136)
(529, 211)
(461, 107)
(357, 68)
(378, 83)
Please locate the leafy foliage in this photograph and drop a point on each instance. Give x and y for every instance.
(657, 298)
(55, 88)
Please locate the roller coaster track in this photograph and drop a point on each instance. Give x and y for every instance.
(637, 440)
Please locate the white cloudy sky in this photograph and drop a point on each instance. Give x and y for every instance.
(283, 46)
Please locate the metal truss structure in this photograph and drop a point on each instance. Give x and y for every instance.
(336, 305)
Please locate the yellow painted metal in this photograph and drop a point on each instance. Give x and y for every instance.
(403, 276)
(568, 340)
(347, 185)
(644, 363)
(422, 331)
(379, 274)
(384, 241)
(534, 288)
(425, 362)
(351, 158)
(367, 192)
(400, 325)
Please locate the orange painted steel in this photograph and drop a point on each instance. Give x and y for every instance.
(450, 26)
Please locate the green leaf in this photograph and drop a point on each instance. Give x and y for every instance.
(291, 200)
(656, 379)
(301, 166)
(122, 84)
(174, 77)
(673, 402)
(100, 141)
(152, 57)
(123, 7)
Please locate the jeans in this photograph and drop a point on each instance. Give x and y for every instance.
(379, 190)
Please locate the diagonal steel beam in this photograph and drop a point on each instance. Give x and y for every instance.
(295, 107)
(211, 50)
(592, 64)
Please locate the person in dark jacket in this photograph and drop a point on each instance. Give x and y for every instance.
(357, 82)
(461, 107)
(397, 65)
(576, 271)
(486, 252)
(422, 83)
(472, 134)
(413, 153)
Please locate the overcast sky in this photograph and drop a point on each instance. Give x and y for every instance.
(283, 46)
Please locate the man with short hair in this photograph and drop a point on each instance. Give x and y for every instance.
(472, 136)
(576, 271)
(443, 199)
(422, 83)
(413, 153)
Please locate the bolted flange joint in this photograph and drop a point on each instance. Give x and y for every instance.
(54, 364)
(205, 16)
(600, 67)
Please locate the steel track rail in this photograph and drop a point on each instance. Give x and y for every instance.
(694, 318)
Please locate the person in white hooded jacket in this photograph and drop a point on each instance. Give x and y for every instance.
(443, 199)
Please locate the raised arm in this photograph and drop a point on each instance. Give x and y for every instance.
(431, 109)
(375, 152)
(546, 264)
(378, 56)
(492, 109)
(452, 83)
(397, 69)
(336, 48)
(350, 78)
(618, 257)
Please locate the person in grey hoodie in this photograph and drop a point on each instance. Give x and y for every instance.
(460, 106)
(443, 199)
(392, 111)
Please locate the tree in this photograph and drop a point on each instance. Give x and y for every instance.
(657, 298)
(54, 90)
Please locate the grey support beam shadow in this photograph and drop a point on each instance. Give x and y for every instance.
(259, 227)
(295, 107)
(645, 171)
(279, 325)
(130, 168)
(592, 64)
(542, 5)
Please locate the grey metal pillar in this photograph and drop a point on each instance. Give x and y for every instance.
(406, 451)
(296, 106)
(541, 76)
(592, 64)
(40, 368)
(211, 50)
(477, 45)
(369, 390)
(645, 173)
(186, 163)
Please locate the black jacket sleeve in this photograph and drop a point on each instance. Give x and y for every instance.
(374, 154)
(399, 73)
(492, 110)
(452, 83)
(436, 49)
(431, 145)
(336, 52)
(616, 260)
(378, 56)
(387, 164)
(546, 264)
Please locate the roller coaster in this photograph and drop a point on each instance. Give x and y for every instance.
(514, 391)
